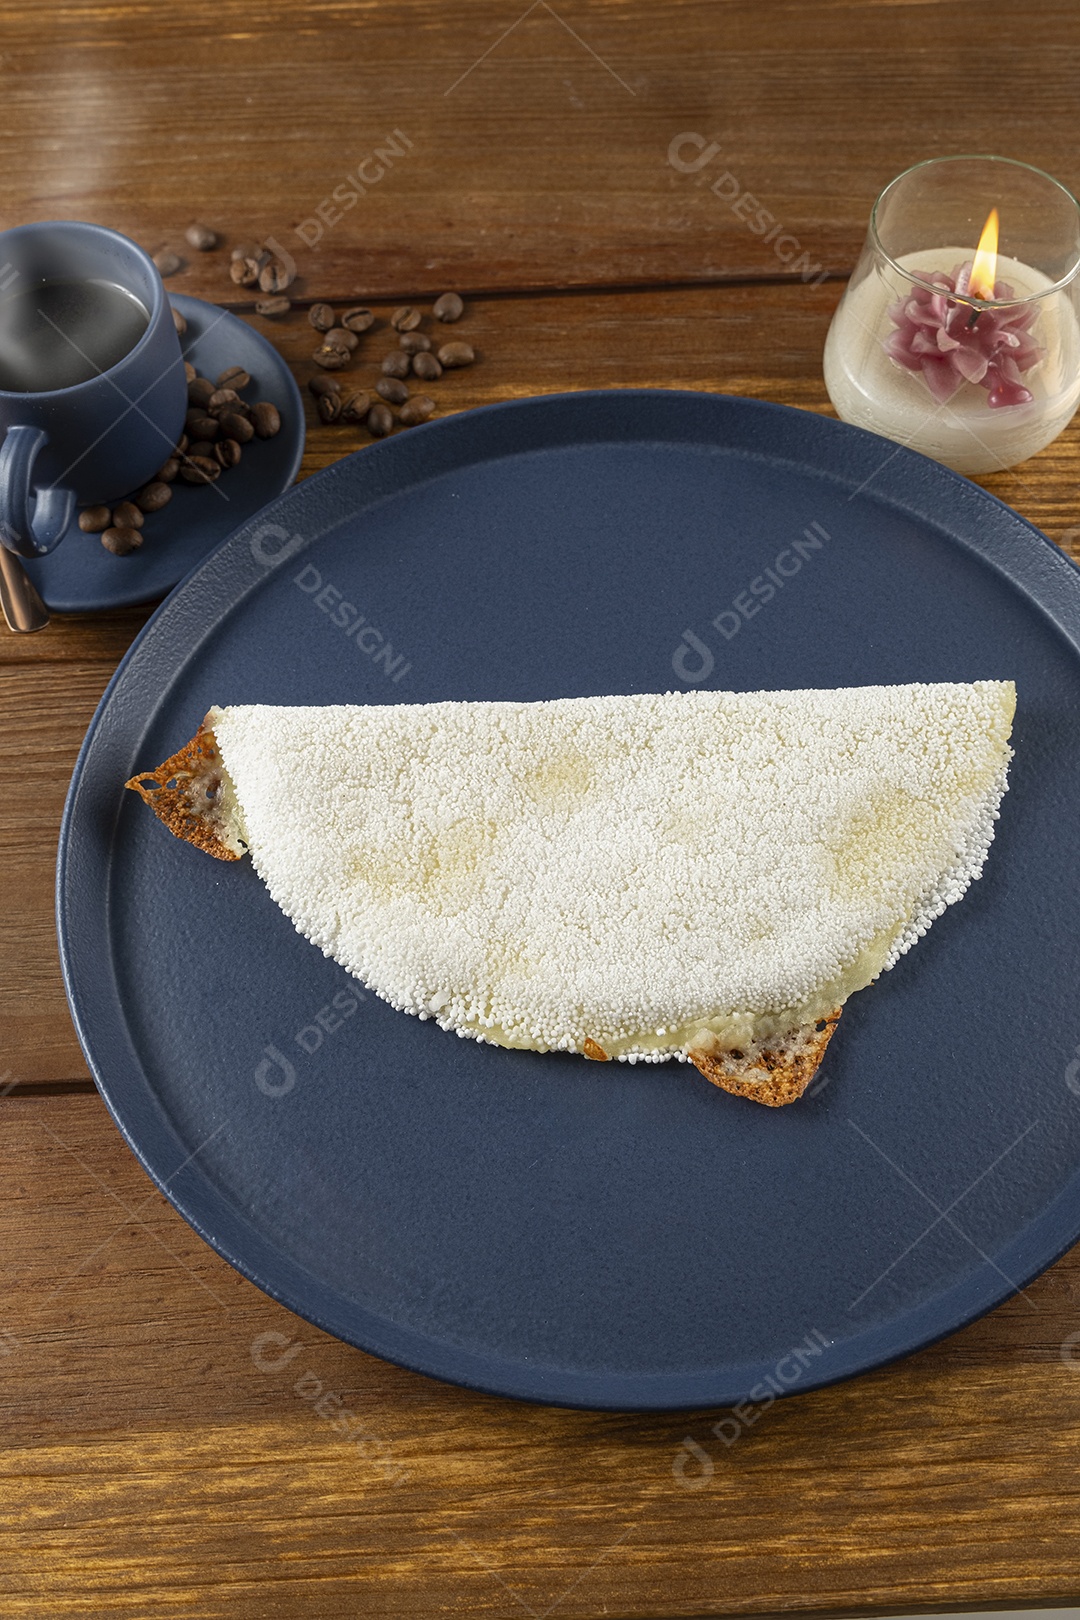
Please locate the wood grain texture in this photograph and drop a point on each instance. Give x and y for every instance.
(157, 1460)
(150, 1466)
(764, 342)
(761, 340)
(538, 130)
(44, 711)
(153, 1457)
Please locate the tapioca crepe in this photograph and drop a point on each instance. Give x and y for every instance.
(705, 876)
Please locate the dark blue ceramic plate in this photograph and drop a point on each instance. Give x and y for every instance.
(540, 1226)
(80, 576)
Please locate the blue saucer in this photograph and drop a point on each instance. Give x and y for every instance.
(80, 576)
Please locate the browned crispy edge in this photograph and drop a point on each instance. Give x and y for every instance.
(789, 1073)
(182, 791)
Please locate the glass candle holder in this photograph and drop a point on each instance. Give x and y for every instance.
(951, 343)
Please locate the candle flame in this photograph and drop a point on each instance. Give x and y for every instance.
(984, 266)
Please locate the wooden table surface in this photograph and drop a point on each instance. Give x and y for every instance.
(157, 1458)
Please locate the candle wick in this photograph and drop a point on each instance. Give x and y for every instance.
(973, 318)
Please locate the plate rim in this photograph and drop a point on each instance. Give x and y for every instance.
(1029, 1250)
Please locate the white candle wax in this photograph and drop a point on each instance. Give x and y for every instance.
(872, 391)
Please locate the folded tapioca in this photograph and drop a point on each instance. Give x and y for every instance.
(697, 875)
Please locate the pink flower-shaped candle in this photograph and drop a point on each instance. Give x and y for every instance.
(952, 342)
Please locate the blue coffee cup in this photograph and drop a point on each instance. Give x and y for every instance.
(101, 438)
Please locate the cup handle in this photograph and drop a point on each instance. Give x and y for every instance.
(29, 535)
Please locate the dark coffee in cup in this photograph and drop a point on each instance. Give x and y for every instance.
(55, 334)
(92, 384)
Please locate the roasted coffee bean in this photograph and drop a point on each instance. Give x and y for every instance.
(121, 541)
(190, 373)
(448, 307)
(380, 421)
(392, 389)
(245, 272)
(152, 497)
(328, 407)
(227, 452)
(396, 364)
(426, 366)
(343, 337)
(265, 419)
(179, 322)
(274, 278)
(322, 317)
(127, 516)
(168, 263)
(222, 400)
(200, 469)
(181, 445)
(406, 319)
(414, 342)
(202, 431)
(452, 355)
(235, 426)
(233, 377)
(93, 519)
(330, 357)
(355, 406)
(322, 384)
(357, 320)
(200, 391)
(166, 474)
(416, 410)
(201, 237)
(272, 307)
